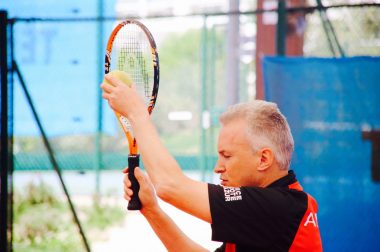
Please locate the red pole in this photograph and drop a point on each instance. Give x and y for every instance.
(266, 35)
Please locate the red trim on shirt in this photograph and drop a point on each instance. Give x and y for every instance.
(230, 247)
(308, 237)
(296, 186)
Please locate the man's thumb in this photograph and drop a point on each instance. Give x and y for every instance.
(139, 174)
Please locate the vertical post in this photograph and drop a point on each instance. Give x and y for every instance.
(211, 103)
(203, 112)
(4, 147)
(281, 28)
(10, 137)
(98, 138)
(233, 53)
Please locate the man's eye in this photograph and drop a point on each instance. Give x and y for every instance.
(224, 155)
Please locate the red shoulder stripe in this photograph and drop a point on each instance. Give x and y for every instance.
(308, 237)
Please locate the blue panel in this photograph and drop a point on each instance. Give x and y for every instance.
(328, 102)
(59, 63)
(49, 8)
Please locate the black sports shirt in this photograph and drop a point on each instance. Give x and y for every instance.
(280, 217)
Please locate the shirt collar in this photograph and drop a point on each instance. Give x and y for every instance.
(285, 181)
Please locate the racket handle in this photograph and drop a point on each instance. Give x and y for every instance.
(133, 162)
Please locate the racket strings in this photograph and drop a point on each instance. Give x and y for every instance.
(133, 53)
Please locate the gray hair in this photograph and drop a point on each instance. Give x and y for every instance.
(267, 127)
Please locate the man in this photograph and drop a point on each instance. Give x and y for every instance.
(259, 206)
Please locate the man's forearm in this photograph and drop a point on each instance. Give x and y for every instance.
(169, 233)
(166, 175)
(161, 166)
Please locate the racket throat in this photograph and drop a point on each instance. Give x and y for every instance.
(133, 148)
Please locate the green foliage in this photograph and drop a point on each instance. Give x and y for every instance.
(180, 76)
(34, 196)
(27, 144)
(42, 222)
(357, 30)
(101, 216)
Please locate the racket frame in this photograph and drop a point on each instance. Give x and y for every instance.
(134, 157)
(132, 143)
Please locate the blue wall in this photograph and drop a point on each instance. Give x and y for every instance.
(328, 102)
(60, 64)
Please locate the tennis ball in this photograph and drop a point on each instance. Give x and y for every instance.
(121, 75)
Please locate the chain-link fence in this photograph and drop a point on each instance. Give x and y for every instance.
(60, 52)
(61, 69)
(347, 30)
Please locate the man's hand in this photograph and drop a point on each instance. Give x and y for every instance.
(122, 98)
(147, 195)
(165, 228)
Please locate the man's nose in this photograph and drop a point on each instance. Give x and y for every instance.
(219, 168)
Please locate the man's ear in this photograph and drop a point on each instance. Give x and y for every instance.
(266, 159)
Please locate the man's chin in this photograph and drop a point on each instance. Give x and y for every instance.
(224, 183)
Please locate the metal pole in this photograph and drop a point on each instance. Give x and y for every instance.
(281, 28)
(211, 131)
(11, 138)
(51, 154)
(323, 16)
(4, 147)
(202, 151)
(328, 28)
(98, 137)
(233, 54)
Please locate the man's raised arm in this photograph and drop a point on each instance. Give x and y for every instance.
(167, 177)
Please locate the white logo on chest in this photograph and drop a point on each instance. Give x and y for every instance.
(232, 193)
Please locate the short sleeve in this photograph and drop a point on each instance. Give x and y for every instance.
(251, 216)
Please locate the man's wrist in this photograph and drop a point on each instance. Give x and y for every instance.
(139, 116)
(151, 212)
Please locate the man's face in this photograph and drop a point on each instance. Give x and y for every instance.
(237, 162)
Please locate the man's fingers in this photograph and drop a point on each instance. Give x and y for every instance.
(127, 182)
(128, 191)
(114, 81)
(106, 95)
(127, 197)
(125, 170)
(111, 79)
(106, 88)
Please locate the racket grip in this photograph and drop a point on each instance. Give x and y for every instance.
(133, 162)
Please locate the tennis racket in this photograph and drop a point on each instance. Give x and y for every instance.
(131, 49)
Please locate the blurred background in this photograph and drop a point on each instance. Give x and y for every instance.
(62, 150)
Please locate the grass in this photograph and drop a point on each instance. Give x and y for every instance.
(42, 222)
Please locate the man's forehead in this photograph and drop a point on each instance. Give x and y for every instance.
(233, 133)
(233, 126)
